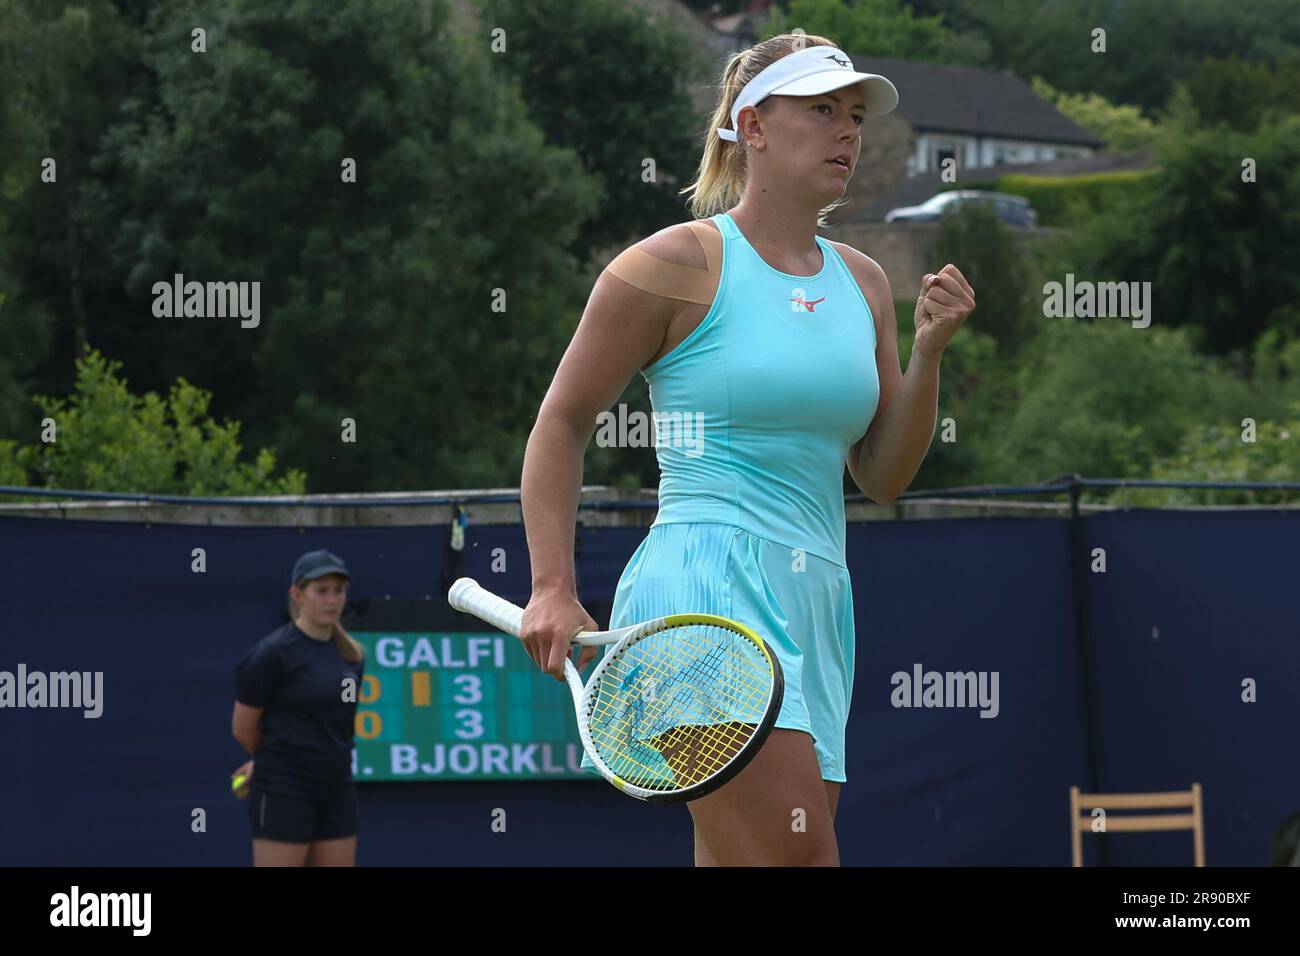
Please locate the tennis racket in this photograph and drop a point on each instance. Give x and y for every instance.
(675, 708)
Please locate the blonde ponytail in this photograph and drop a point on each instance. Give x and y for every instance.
(348, 646)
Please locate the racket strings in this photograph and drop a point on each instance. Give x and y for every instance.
(695, 753)
(656, 692)
(648, 747)
(674, 708)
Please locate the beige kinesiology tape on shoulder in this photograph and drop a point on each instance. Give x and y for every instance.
(659, 277)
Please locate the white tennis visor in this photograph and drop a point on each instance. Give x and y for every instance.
(810, 71)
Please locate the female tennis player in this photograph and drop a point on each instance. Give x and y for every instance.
(782, 347)
(295, 703)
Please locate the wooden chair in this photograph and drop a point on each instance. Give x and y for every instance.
(1176, 799)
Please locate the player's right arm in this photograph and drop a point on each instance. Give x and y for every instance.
(621, 329)
(246, 726)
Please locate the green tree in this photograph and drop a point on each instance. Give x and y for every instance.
(1241, 93)
(608, 83)
(886, 28)
(430, 300)
(427, 302)
(60, 64)
(1049, 38)
(1216, 249)
(1122, 127)
(107, 439)
(25, 337)
(1151, 45)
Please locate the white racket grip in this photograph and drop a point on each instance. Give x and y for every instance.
(466, 595)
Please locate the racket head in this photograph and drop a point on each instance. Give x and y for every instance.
(679, 706)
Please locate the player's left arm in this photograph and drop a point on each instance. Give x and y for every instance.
(886, 458)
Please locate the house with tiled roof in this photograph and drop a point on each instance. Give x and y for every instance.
(980, 118)
(977, 117)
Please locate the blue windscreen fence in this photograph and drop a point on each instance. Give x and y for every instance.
(1128, 651)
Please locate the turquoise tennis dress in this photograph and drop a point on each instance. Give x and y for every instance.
(755, 412)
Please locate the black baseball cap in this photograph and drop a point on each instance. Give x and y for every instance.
(317, 564)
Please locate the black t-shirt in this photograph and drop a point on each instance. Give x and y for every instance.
(306, 746)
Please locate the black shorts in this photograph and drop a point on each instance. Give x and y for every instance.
(300, 819)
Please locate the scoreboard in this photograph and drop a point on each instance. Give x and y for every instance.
(459, 705)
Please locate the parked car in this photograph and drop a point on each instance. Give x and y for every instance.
(1014, 210)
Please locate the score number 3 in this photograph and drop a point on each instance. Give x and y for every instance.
(470, 691)
(369, 724)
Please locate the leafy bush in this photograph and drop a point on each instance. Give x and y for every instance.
(106, 439)
(1221, 452)
(1105, 400)
(1065, 200)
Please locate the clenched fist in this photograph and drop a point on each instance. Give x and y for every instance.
(946, 300)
